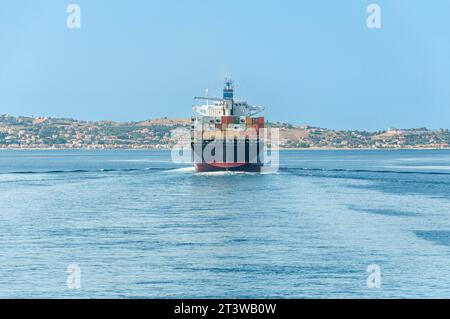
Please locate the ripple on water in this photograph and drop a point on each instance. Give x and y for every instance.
(383, 211)
(440, 237)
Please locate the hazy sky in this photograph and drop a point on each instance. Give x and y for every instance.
(309, 62)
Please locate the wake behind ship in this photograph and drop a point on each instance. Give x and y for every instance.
(225, 135)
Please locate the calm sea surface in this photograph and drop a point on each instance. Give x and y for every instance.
(139, 226)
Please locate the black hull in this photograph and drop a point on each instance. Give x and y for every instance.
(227, 155)
(245, 167)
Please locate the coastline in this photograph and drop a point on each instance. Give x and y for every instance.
(280, 149)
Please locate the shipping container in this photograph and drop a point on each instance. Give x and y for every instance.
(236, 127)
(224, 120)
(250, 134)
(256, 128)
(254, 120)
(260, 120)
(212, 135)
(209, 127)
(197, 134)
(247, 133)
(252, 130)
(208, 135)
(237, 120)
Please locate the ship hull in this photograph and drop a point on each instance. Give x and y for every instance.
(231, 167)
(227, 158)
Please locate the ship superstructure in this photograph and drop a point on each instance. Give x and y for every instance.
(225, 134)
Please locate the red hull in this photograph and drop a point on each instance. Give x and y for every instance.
(234, 167)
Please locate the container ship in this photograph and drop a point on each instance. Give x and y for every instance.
(226, 135)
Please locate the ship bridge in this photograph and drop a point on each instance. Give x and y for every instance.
(225, 106)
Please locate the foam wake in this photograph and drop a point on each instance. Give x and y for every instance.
(339, 170)
(77, 171)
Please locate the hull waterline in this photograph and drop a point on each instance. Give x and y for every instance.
(231, 167)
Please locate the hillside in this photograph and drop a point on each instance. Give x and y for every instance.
(43, 132)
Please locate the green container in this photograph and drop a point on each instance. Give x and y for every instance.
(237, 120)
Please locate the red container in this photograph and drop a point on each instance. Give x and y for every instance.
(224, 120)
(260, 120)
(230, 119)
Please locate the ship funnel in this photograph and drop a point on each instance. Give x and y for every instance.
(228, 90)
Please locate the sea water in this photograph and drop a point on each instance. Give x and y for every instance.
(139, 226)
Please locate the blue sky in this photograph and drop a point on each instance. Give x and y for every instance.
(309, 62)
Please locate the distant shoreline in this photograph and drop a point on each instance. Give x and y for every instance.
(281, 149)
(67, 134)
